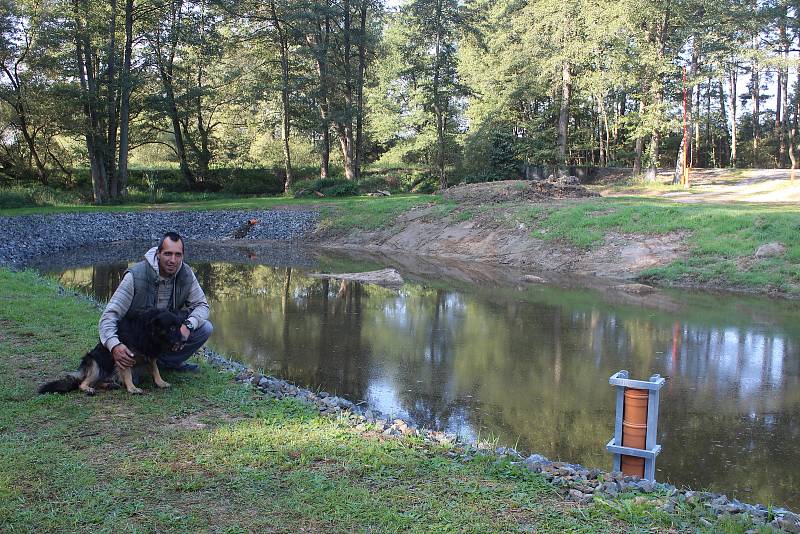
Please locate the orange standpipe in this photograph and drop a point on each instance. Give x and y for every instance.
(634, 429)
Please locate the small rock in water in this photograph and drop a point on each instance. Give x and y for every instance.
(636, 289)
(533, 279)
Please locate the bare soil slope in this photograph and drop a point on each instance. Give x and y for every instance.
(492, 234)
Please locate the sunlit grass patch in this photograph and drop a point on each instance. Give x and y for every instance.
(368, 213)
(721, 238)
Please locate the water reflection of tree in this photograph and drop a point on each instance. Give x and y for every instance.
(106, 278)
(425, 381)
(100, 281)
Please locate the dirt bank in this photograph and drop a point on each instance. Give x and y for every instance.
(483, 227)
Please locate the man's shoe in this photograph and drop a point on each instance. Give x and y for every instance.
(185, 368)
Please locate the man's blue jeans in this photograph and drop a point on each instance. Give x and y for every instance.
(197, 338)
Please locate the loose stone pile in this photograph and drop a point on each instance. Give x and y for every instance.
(27, 236)
(576, 482)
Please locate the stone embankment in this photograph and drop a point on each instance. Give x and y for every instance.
(575, 482)
(28, 236)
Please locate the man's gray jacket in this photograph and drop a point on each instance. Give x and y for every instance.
(143, 286)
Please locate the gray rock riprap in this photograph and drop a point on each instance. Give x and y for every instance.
(28, 236)
(577, 483)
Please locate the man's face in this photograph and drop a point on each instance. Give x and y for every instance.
(170, 257)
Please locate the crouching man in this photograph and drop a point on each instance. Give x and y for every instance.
(162, 281)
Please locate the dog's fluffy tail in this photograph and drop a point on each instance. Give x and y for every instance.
(62, 385)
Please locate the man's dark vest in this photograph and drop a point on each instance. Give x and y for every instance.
(145, 282)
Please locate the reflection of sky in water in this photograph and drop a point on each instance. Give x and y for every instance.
(382, 395)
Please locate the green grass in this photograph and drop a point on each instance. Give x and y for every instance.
(209, 455)
(369, 213)
(722, 238)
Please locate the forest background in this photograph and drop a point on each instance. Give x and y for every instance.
(254, 96)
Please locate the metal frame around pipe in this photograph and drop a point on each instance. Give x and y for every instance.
(621, 381)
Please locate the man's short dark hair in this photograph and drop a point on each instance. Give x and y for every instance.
(172, 236)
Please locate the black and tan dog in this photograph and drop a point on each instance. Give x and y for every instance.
(148, 334)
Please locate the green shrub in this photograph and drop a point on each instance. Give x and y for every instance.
(374, 182)
(166, 179)
(249, 181)
(420, 182)
(34, 194)
(16, 198)
(341, 189)
(237, 181)
(330, 187)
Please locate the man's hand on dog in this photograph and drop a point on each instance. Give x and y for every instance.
(184, 335)
(122, 355)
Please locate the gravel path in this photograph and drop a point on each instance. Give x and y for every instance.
(24, 238)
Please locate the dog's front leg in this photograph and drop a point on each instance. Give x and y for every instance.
(127, 379)
(92, 375)
(157, 375)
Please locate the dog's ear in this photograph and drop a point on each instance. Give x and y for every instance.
(150, 316)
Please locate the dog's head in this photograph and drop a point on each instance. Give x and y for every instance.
(165, 327)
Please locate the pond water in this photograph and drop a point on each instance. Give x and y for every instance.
(527, 364)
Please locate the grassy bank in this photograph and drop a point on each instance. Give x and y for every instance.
(721, 238)
(210, 455)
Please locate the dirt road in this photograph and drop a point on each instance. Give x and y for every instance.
(724, 185)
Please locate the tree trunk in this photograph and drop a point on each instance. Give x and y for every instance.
(732, 103)
(781, 119)
(41, 170)
(89, 95)
(319, 44)
(755, 93)
(709, 142)
(345, 124)
(437, 104)
(563, 115)
(676, 178)
(125, 106)
(655, 146)
(656, 95)
(284, 50)
(346, 144)
(792, 134)
(165, 70)
(362, 65)
(639, 147)
(723, 139)
(111, 103)
(180, 147)
(695, 127)
(690, 88)
(325, 157)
